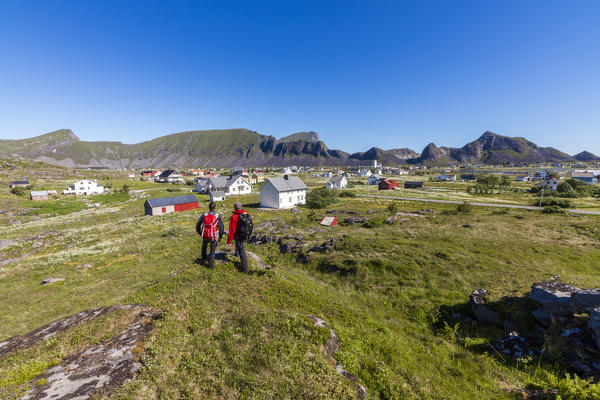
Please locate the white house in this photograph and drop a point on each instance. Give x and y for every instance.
(373, 179)
(170, 176)
(286, 170)
(446, 178)
(217, 196)
(337, 182)
(285, 192)
(235, 184)
(551, 184)
(378, 171)
(85, 187)
(365, 172)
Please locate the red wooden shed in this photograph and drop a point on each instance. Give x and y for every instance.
(388, 184)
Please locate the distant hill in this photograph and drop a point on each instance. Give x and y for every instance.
(492, 148)
(225, 148)
(586, 156)
(231, 147)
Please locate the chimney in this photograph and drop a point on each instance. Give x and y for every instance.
(286, 177)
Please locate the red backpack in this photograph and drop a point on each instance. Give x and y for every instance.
(210, 229)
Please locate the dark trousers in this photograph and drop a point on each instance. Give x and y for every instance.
(241, 251)
(213, 248)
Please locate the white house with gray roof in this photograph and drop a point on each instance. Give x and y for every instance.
(284, 192)
(337, 182)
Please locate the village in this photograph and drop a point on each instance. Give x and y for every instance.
(105, 236)
(286, 187)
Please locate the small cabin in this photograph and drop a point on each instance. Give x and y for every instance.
(387, 184)
(15, 184)
(414, 185)
(170, 204)
(37, 195)
(217, 196)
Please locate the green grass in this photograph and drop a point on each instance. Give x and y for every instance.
(229, 335)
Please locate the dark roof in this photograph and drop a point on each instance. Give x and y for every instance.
(171, 201)
(285, 185)
(168, 172)
(20, 182)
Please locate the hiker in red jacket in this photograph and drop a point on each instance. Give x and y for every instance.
(240, 229)
(210, 228)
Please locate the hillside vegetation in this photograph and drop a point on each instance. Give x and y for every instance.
(391, 292)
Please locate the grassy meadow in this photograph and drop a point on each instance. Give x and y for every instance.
(396, 294)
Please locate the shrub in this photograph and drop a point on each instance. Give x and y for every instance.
(18, 191)
(449, 212)
(465, 207)
(392, 208)
(554, 202)
(176, 190)
(553, 210)
(321, 198)
(374, 223)
(346, 193)
(190, 182)
(124, 189)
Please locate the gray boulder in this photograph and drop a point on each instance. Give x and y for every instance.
(586, 299)
(554, 297)
(544, 317)
(594, 324)
(48, 281)
(483, 313)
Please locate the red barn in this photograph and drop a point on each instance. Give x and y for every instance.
(388, 184)
(170, 204)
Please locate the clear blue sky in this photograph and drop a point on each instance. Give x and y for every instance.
(361, 73)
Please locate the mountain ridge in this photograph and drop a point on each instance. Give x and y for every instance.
(230, 147)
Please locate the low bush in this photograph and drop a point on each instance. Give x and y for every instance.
(346, 193)
(546, 202)
(449, 212)
(465, 207)
(321, 198)
(374, 223)
(553, 210)
(18, 191)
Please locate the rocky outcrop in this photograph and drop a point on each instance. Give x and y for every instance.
(554, 298)
(47, 331)
(332, 345)
(97, 369)
(584, 300)
(483, 313)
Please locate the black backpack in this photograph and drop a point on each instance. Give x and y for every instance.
(245, 227)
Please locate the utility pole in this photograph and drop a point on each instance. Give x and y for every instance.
(542, 197)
